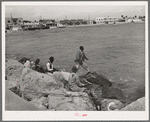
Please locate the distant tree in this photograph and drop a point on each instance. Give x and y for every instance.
(135, 16)
(122, 16)
(144, 17)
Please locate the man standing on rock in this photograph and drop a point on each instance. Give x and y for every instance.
(80, 57)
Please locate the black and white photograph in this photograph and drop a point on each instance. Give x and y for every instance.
(75, 60)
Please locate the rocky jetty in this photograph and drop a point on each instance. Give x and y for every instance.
(45, 92)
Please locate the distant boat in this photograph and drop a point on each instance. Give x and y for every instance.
(61, 25)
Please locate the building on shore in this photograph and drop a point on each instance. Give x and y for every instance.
(13, 23)
(105, 20)
(48, 22)
(30, 24)
(73, 22)
(132, 19)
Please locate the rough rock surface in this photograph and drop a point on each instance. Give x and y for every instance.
(13, 73)
(98, 79)
(111, 104)
(75, 101)
(113, 93)
(56, 97)
(138, 105)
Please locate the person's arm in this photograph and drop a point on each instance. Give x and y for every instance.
(48, 67)
(85, 56)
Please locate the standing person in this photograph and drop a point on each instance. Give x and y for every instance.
(49, 66)
(80, 59)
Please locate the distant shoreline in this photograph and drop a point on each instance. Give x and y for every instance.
(87, 25)
(91, 25)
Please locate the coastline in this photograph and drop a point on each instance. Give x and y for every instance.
(87, 25)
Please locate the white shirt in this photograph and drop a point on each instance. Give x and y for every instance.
(27, 64)
(48, 66)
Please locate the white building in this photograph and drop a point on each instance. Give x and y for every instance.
(101, 20)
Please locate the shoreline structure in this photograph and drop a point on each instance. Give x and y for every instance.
(87, 25)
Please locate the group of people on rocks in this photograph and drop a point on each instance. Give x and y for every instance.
(73, 81)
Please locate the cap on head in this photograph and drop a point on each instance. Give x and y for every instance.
(74, 69)
(51, 59)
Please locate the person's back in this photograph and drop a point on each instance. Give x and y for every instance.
(74, 81)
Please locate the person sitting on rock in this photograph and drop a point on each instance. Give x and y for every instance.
(36, 66)
(27, 64)
(23, 60)
(72, 79)
(49, 66)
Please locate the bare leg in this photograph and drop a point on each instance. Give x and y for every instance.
(85, 66)
(77, 66)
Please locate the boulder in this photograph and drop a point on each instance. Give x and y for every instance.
(97, 79)
(111, 104)
(33, 81)
(41, 103)
(138, 105)
(58, 97)
(72, 101)
(113, 93)
(13, 73)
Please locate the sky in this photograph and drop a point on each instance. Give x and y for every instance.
(58, 11)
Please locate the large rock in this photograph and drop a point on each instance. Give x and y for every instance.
(95, 93)
(37, 82)
(138, 105)
(113, 93)
(59, 98)
(98, 79)
(111, 104)
(41, 103)
(13, 73)
(72, 101)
